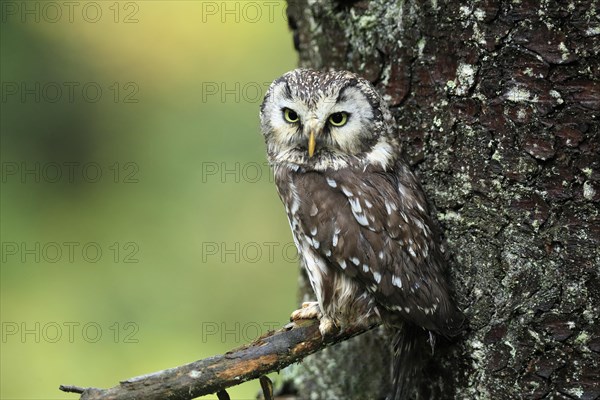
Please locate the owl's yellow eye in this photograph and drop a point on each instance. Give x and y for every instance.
(338, 119)
(290, 115)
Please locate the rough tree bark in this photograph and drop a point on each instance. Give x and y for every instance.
(497, 106)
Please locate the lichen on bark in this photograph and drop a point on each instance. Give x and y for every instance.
(497, 105)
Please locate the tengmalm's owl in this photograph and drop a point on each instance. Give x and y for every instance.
(358, 215)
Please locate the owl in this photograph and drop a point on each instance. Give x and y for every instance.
(358, 215)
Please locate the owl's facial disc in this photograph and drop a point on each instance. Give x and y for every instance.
(321, 120)
(298, 132)
(328, 122)
(315, 136)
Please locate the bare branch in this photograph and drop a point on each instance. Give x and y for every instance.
(271, 352)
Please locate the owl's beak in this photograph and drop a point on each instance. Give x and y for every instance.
(311, 144)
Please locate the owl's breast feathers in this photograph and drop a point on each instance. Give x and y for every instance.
(374, 227)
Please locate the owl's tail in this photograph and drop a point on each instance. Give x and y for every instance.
(408, 358)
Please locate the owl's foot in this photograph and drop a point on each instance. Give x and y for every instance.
(309, 310)
(327, 327)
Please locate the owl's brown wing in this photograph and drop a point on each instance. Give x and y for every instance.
(374, 227)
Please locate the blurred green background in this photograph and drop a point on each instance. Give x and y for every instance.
(140, 226)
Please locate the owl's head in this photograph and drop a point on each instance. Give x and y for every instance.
(327, 120)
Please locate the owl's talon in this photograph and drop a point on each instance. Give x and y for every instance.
(312, 310)
(327, 327)
(309, 310)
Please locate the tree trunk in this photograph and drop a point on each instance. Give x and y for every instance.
(497, 106)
